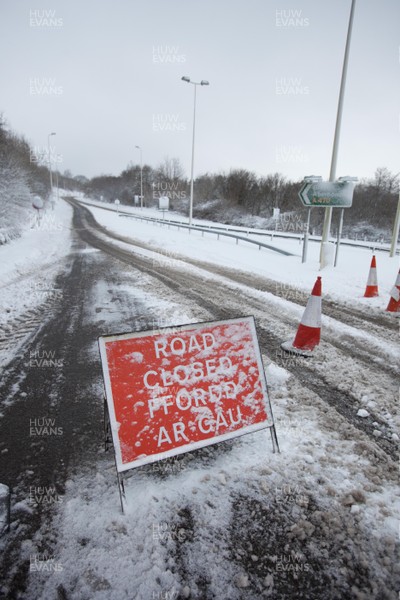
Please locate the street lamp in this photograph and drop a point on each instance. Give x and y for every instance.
(396, 227)
(324, 254)
(195, 83)
(59, 158)
(48, 148)
(51, 175)
(141, 176)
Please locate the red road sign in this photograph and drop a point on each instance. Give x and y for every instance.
(173, 390)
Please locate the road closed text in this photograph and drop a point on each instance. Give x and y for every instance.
(192, 386)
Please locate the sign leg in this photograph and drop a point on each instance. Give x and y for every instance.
(339, 235)
(9, 512)
(107, 428)
(307, 232)
(121, 490)
(274, 437)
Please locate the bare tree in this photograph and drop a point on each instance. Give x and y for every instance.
(170, 170)
(385, 181)
(240, 185)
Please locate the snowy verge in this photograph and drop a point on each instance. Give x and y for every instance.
(29, 266)
(346, 283)
(39, 249)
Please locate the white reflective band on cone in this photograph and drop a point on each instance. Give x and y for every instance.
(372, 277)
(312, 313)
(395, 293)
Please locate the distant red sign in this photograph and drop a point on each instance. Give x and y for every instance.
(173, 390)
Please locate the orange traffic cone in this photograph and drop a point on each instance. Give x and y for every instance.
(372, 284)
(394, 302)
(309, 332)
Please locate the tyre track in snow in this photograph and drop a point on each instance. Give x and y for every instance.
(383, 323)
(63, 393)
(346, 343)
(20, 324)
(19, 330)
(224, 302)
(382, 326)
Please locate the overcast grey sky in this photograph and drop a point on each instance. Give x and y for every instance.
(105, 75)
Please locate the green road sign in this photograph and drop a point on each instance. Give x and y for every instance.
(327, 193)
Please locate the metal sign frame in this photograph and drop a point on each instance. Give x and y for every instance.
(261, 420)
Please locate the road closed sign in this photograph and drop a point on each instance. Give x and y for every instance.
(173, 390)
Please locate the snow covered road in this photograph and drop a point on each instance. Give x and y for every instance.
(231, 521)
(230, 293)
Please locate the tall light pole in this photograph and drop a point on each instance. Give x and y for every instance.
(332, 176)
(141, 176)
(396, 227)
(195, 83)
(51, 174)
(48, 149)
(59, 157)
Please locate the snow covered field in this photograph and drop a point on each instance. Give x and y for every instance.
(346, 282)
(320, 519)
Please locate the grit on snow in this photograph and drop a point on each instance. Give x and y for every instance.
(322, 512)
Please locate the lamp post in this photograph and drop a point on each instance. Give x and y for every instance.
(396, 227)
(141, 176)
(51, 174)
(332, 176)
(48, 149)
(59, 157)
(195, 83)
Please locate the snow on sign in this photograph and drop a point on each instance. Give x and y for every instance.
(327, 193)
(173, 390)
(163, 203)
